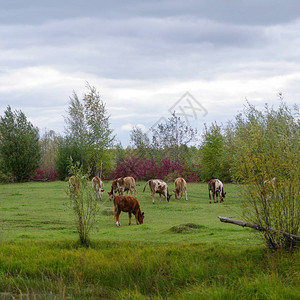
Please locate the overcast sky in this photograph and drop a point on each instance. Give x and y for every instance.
(143, 56)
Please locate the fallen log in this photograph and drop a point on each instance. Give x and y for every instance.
(292, 237)
(40, 180)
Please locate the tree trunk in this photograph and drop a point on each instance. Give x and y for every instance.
(292, 237)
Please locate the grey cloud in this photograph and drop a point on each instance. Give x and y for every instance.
(230, 11)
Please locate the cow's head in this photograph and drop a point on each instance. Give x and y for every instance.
(222, 196)
(110, 195)
(141, 218)
(169, 196)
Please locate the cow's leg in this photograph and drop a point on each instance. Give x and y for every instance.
(117, 214)
(217, 195)
(181, 194)
(129, 214)
(209, 193)
(137, 219)
(185, 195)
(153, 201)
(166, 196)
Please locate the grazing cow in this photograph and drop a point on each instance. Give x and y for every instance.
(117, 186)
(74, 184)
(97, 185)
(180, 187)
(215, 187)
(128, 204)
(129, 184)
(158, 186)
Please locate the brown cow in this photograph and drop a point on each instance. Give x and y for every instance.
(117, 186)
(128, 204)
(215, 187)
(97, 185)
(180, 187)
(129, 184)
(158, 186)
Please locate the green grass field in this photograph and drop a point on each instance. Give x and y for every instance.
(40, 256)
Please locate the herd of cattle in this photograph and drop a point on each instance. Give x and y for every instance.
(131, 205)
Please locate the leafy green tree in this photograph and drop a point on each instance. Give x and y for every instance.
(120, 153)
(49, 148)
(19, 145)
(141, 143)
(172, 135)
(67, 149)
(213, 154)
(266, 146)
(88, 132)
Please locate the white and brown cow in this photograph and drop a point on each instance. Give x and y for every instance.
(117, 186)
(180, 187)
(158, 186)
(215, 187)
(97, 186)
(129, 185)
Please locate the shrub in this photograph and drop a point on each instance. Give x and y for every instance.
(82, 202)
(145, 169)
(6, 178)
(47, 174)
(267, 146)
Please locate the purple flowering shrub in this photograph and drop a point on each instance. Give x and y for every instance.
(145, 169)
(47, 174)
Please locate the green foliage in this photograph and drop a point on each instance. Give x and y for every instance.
(19, 147)
(213, 151)
(266, 146)
(67, 148)
(141, 143)
(169, 140)
(49, 147)
(82, 201)
(88, 132)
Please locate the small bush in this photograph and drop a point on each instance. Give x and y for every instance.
(46, 174)
(6, 178)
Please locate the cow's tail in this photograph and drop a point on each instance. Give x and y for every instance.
(146, 185)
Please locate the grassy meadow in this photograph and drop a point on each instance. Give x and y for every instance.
(40, 257)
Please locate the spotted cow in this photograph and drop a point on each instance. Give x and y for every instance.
(117, 186)
(215, 187)
(97, 186)
(158, 186)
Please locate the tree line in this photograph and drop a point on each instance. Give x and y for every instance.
(220, 151)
